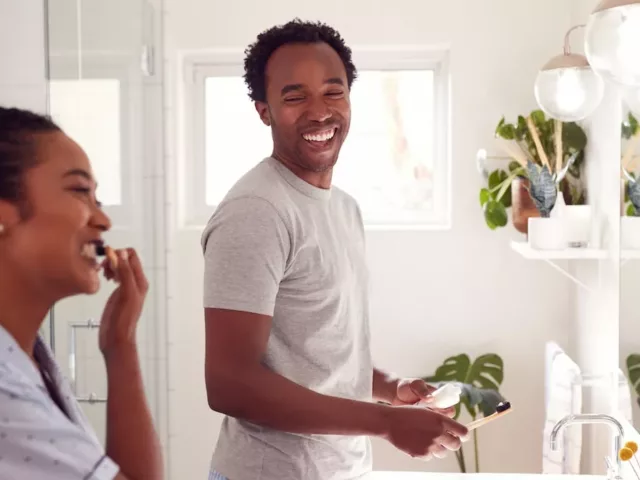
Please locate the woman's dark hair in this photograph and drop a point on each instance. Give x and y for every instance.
(18, 131)
(296, 31)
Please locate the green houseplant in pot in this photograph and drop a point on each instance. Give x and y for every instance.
(633, 373)
(479, 381)
(631, 134)
(545, 142)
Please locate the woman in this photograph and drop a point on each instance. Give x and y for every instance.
(50, 226)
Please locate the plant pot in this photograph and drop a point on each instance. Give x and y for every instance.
(522, 206)
(630, 233)
(546, 233)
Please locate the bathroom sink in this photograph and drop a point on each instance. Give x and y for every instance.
(477, 476)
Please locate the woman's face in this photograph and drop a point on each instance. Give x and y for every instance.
(52, 245)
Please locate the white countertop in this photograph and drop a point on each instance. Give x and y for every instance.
(477, 476)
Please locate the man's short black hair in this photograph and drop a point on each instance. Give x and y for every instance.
(296, 31)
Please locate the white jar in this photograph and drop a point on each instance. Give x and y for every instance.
(547, 233)
(577, 220)
(630, 233)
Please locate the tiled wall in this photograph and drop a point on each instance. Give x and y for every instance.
(23, 54)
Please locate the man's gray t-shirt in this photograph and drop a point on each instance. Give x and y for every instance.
(279, 246)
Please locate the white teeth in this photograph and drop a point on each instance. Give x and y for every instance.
(320, 137)
(89, 250)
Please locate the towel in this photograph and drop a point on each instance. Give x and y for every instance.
(563, 397)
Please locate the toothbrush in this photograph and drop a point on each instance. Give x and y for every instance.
(108, 252)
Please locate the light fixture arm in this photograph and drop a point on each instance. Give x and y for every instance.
(567, 44)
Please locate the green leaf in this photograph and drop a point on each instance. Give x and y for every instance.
(633, 369)
(504, 194)
(521, 129)
(486, 372)
(485, 196)
(507, 131)
(573, 137)
(631, 210)
(633, 123)
(538, 117)
(495, 213)
(453, 369)
(496, 178)
(513, 166)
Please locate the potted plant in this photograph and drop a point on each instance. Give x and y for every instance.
(633, 373)
(480, 382)
(545, 143)
(630, 133)
(630, 185)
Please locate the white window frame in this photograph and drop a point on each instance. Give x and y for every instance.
(195, 68)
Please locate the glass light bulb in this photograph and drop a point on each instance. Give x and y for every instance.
(612, 44)
(631, 97)
(568, 94)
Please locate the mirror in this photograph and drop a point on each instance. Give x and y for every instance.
(630, 265)
(165, 118)
(103, 95)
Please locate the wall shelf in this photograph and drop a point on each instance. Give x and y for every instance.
(524, 249)
(549, 256)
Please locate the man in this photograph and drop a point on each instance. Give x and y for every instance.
(285, 290)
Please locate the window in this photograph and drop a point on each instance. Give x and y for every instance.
(88, 111)
(395, 161)
(235, 137)
(101, 107)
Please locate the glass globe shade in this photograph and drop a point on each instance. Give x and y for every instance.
(612, 41)
(568, 93)
(631, 98)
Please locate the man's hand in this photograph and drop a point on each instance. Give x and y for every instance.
(424, 433)
(413, 391)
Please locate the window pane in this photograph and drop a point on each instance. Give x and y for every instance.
(235, 137)
(89, 112)
(387, 162)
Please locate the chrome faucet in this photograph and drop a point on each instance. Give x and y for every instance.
(593, 418)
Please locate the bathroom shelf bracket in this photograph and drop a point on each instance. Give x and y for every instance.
(569, 276)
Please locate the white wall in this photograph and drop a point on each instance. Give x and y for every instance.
(23, 55)
(434, 293)
(629, 271)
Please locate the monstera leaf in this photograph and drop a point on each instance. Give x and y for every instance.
(633, 369)
(479, 381)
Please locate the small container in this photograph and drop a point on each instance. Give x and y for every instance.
(446, 396)
(630, 233)
(577, 220)
(547, 234)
